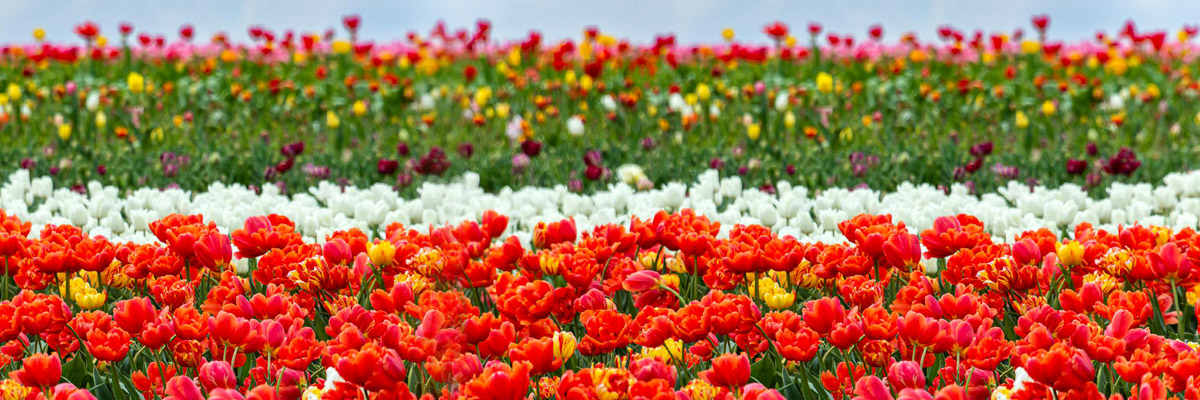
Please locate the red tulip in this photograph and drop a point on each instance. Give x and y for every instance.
(756, 391)
(776, 30)
(217, 375)
(822, 314)
(642, 281)
(728, 371)
(182, 388)
(351, 22)
(494, 223)
(1171, 262)
(546, 235)
(1026, 252)
(260, 234)
(132, 315)
(539, 353)
(337, 252)
(876, 31)
(500, 381)
(1041, 22)
(111, 345)
(213, 251)
(903, 250)
(88, 31)
(906, 374)
(870, 387)
(40, 370)
(814, 28)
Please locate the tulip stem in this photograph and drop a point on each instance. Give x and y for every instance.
(6, 279)
(113, 382)
(161, 374)
(682, 303)
(804, 380)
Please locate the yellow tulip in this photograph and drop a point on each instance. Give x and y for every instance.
(39, 34)
(1030, 47)
(137, 83)
(703, 92)
(359, 108)
(64, 131)
(564, 345)
(1048, 108)
(824, 83)
(90, 299)
(342, 47)
(1022, 120)
(483, 95)
(332, 120)
(780, 299)
(101, 120)
(1116, 66)
(14, 92)
(727, 33)
(382, 254)
(753, 131)
(1070, 253)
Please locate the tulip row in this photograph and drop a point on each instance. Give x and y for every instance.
(660, 308)
(795, 211)
(293, 107)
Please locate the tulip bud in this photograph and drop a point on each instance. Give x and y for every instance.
(642, 281)
(564, 345)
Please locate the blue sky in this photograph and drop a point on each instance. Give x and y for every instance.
(691, 20)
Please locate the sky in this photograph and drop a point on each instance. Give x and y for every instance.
(691, 20)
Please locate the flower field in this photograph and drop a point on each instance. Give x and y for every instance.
(781, 215)
(819, 109)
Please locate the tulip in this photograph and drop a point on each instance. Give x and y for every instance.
(132, 315)
(40, 370)
(824, 82)
(564, 345)
(642, 281)
(213, 251)
(382, 253)
(217, 375)
(575, 126)
(728, 370)
(135, 82)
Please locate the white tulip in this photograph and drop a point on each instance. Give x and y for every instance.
(575, 126)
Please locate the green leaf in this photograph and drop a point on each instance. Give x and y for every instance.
(75, 371)
(766, 372)
(102, 392)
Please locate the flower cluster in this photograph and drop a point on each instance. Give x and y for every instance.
(875, 110)
(657, 308)
(796, 211)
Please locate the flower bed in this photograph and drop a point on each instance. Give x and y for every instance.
(816, 108)
(657, 308)
(794, 211)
